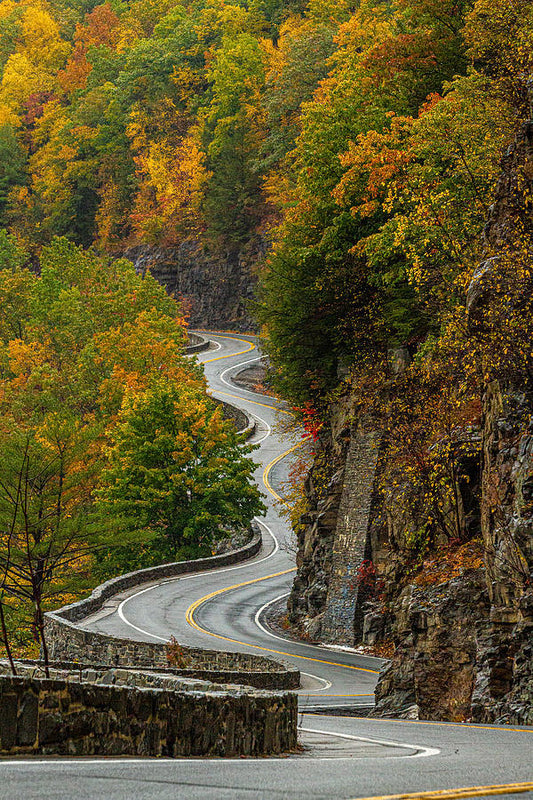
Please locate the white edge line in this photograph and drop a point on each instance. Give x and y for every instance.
(216, 392)
(263, 422)
(180, 760)
(259, 624)
(327, 684)
(262, 609)
(267, 434)
(120, 610)
(421, 751)
(234, 386)
(240, 364)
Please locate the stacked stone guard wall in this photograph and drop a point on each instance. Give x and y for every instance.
(84, 608)
(197, 344)
(351, 535)
(67, 641)
(60, 717)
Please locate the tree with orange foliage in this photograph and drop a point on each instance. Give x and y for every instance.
(71, 346)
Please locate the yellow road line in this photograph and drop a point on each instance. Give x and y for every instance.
(271, 465)
(396, 721)
(451, 794)
(254, 402)
(231, 355)
(189, 616)
(192, 608)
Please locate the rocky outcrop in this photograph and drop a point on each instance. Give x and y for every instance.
(504, 685)
(216, 286)
(462, 638)
(434, 667)
(316, 530)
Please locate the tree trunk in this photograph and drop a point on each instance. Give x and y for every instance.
(6, 639)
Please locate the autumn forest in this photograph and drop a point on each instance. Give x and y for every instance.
(359, 144)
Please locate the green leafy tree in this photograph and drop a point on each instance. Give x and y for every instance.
(178, 472)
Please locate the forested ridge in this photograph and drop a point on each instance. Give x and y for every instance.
(362, 141)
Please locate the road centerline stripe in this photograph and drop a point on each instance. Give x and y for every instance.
(451, 794)
(189, 616)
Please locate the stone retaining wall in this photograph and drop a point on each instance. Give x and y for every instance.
(339, 622)
(197, 344)
(84, 608)
(243, 423)
(62, 717)
(267, 679)
(67, 641)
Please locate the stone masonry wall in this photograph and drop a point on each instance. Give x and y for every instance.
(267, 679)
(351, 536)
(242, 421)
(62, 717)
(333, 533)
(197, 344)
(69, 643)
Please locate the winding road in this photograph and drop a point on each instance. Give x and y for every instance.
(343, 756)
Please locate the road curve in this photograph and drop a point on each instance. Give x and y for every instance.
(221, 609)
(344, 756)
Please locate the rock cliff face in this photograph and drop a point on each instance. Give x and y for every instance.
(316, 531)
(217, 285)
(462, 638)
(504, 681)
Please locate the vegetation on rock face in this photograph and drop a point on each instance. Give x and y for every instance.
(100, 409)
(400, 281)
(386, 197)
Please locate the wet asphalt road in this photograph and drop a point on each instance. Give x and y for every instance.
(343, 756)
